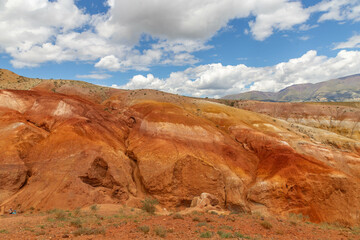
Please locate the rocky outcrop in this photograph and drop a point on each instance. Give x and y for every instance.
(64, 151)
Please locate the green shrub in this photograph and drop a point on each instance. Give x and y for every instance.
(355, 230)
(266, 225)
(77, 212)
(94, 208)
(226, 227)
(178, 216)
(144, 229)
(148, 205)
(201, 224)
(41, 226)
(225, 234)
(206, 234)
(60, 215)
(160, 231)
(4, 231)
(76, 223)
(197, 213)
(241, 236)
(196, 219)
(40, 233)
(298, 217)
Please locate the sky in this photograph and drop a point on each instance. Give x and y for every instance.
(201, 48)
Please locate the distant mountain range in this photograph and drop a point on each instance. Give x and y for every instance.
(344, 89)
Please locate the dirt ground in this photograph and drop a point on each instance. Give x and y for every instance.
(118, 222)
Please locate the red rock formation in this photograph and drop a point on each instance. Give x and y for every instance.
(64, 151)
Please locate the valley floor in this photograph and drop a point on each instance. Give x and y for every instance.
(117, 222)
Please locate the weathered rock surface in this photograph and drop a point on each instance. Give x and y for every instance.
(66, 151)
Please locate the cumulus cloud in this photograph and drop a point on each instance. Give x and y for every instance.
(281, 15)
(216, 80)
(353, 42)
(40, 31)
(139, 81)
(28, 23)
(338, 10)
(109, 62)
(59, 31)
(94, 76)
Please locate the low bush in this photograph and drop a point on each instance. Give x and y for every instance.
(160, 231)
(206, 234)
(224, 234)
(94, 208)
(266, 225)
(76, 223)
(226, 227)
(178, 216)
(77, 212)
(144, 229)
(241, 236)
(60, 215)
(148, 205)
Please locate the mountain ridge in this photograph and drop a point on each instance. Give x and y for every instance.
(342, 89)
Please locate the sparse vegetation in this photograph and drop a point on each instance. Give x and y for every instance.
(40, 233)
(76, 223)
(148, 205)
(94, 208)
(196, 213)
(206, 234)
(77, 212)
(89, 231)
(266, 225)
(178, 216)
(226, 227)
(160, 231)
(225, 234)
(91, 223)
(144, 228)
(241, 236)
(60, 215)
(356, 230)
(201, 224)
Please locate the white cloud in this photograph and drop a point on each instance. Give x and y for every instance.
(140, 81)
(94, 76)
(109, 62)
(281, 15)
(338, 10)
(353, 42)
(216, 80)
(27, 23)
(305, 27)
(201, 19)
(39, 31)
(304, 38)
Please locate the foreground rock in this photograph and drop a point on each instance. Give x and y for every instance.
(64, 151)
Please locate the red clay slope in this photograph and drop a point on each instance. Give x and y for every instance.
(64, 151)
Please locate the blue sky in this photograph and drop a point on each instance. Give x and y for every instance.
(196, 48)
